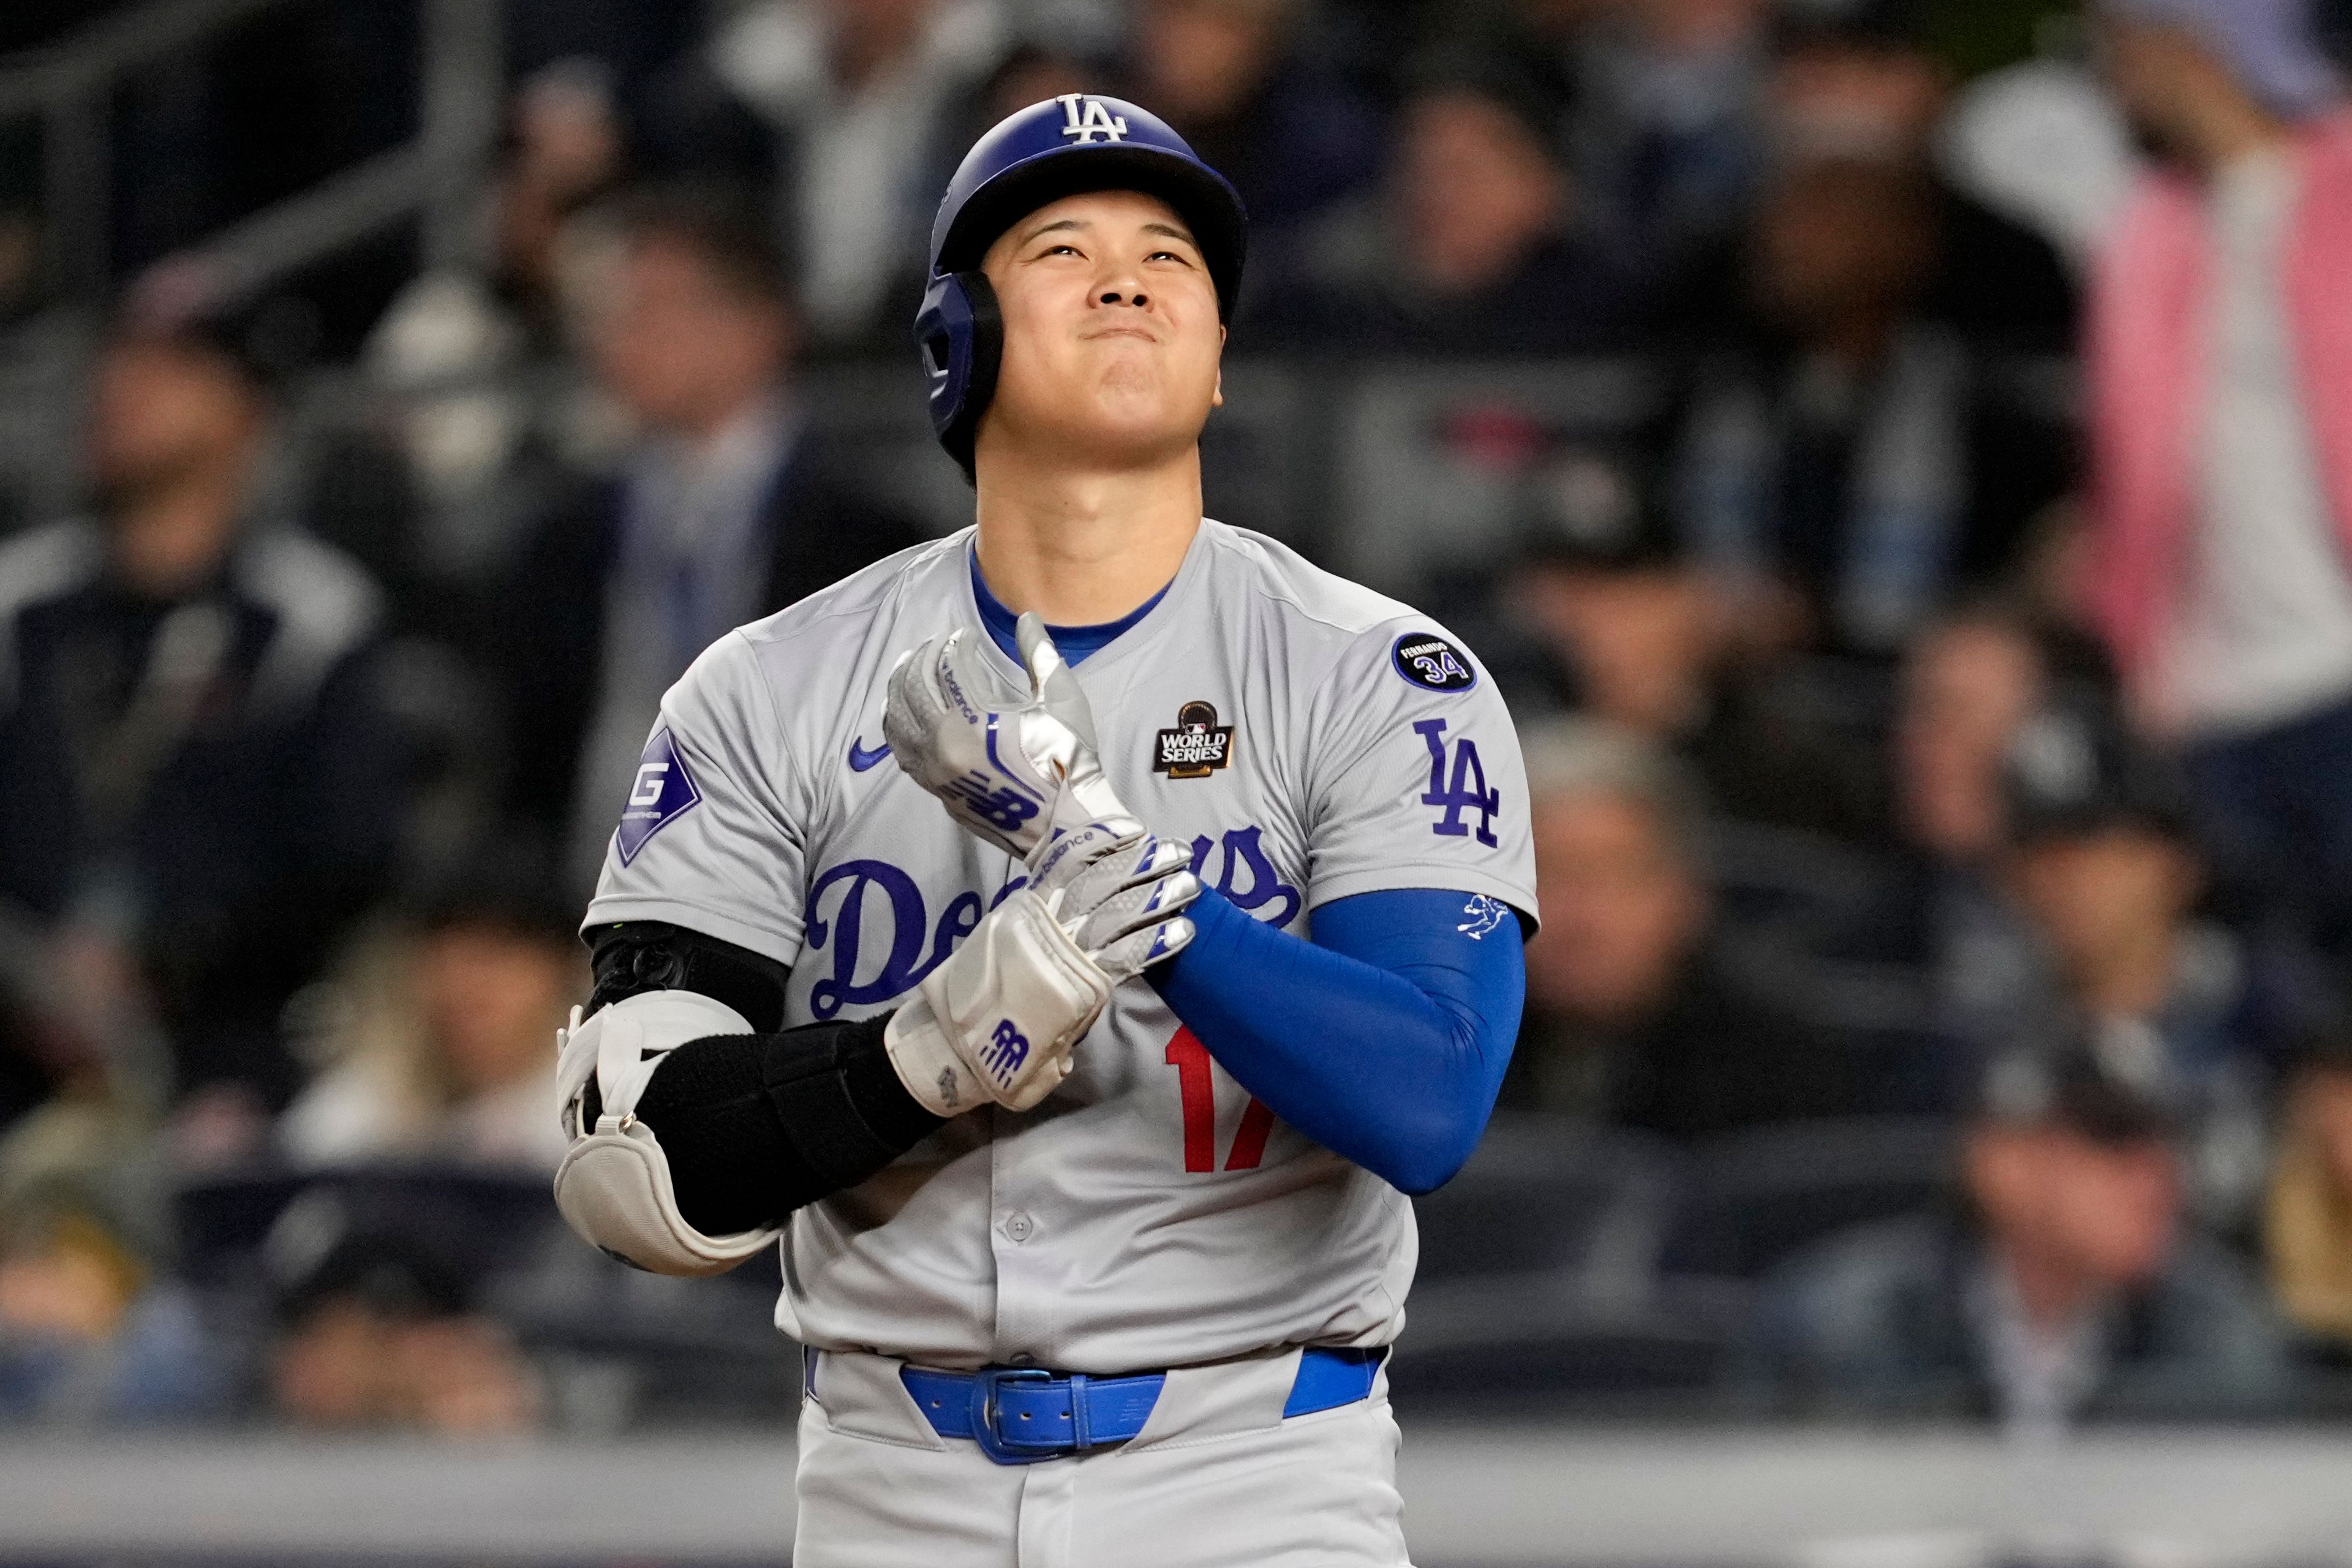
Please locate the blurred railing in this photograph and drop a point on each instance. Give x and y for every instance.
(1390, 472)
(70, 90)
(1473, 1498)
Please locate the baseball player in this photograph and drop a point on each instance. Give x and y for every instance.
(1072, 938)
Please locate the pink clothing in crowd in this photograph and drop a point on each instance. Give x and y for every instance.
(2145, 363)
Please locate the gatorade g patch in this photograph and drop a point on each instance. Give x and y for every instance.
(663, 790)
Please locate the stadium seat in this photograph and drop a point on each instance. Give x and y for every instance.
(1544, 1197)
(489, 1219)
(1752, 1199)
(1537, 1346)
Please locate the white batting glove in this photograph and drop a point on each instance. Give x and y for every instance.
(1120, 893)
(1014, 776)
(999, 1020)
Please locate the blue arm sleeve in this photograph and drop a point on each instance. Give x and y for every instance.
(1384, 1039)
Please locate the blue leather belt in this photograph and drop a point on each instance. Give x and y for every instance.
(1020, 1415)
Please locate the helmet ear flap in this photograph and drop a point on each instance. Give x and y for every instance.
(959, 333)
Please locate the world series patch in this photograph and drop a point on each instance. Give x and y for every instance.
(1430, 662)
(1198, 745)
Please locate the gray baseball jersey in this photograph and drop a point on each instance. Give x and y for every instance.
(1311, 739)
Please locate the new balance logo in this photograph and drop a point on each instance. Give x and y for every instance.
(1007, 1049)
(1004, 809)
(1092, 121)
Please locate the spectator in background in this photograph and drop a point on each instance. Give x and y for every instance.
(378, 1326)
(1634, 1015)
(2308, 1228)
(437, 1031)
(1967, 684)
(477, 363)
(1936, 922)
(1597, 610)
(1239, 82)
(1970, 682)
(727, 507)
(2220, 416)
(1667, 134)
(2062, 1286)
(856, 101)
(1603, 584)
(1473, 249)
(2105, 877)
(201, 791)
(1847, 466)
(1859, 70)
(91, 1328)
(1031, 72)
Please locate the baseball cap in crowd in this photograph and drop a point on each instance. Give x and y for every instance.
(2075, 769)
(399, 1256)
(1595, 508)
(2106, 1081)
(2273, 48)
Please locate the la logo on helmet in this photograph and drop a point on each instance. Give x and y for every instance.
(1095, 120)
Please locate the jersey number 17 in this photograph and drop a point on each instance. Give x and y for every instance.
(1197, 1082)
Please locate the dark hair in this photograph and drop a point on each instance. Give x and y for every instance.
(2332, 21)
(723, 230)
(2319, 1038)
(264, 343)
(1880, 26)
(2324, 1046)
(508, 879)
(1504, 72)
(2070, 660)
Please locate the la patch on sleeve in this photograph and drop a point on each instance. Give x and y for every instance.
(1430, 662)
(664, 791)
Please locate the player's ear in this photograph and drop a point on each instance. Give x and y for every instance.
(1217, 397)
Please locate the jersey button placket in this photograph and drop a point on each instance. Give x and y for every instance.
(1027, 1272)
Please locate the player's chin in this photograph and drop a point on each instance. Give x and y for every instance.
(1145, 401)
(1137, 438)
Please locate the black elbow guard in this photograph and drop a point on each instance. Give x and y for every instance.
(755, 1126)
(634, 956)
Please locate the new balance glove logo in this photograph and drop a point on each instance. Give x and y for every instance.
(1007, 1049)
(1003, 808)
(1013, 775)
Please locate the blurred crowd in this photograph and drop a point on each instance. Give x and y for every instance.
(1895, 456)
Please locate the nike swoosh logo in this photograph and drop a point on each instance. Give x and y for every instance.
(860, 759)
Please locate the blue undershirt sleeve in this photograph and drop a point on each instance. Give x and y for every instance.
(1384, 1039)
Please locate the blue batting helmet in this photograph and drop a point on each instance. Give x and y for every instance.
(1078, 142)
